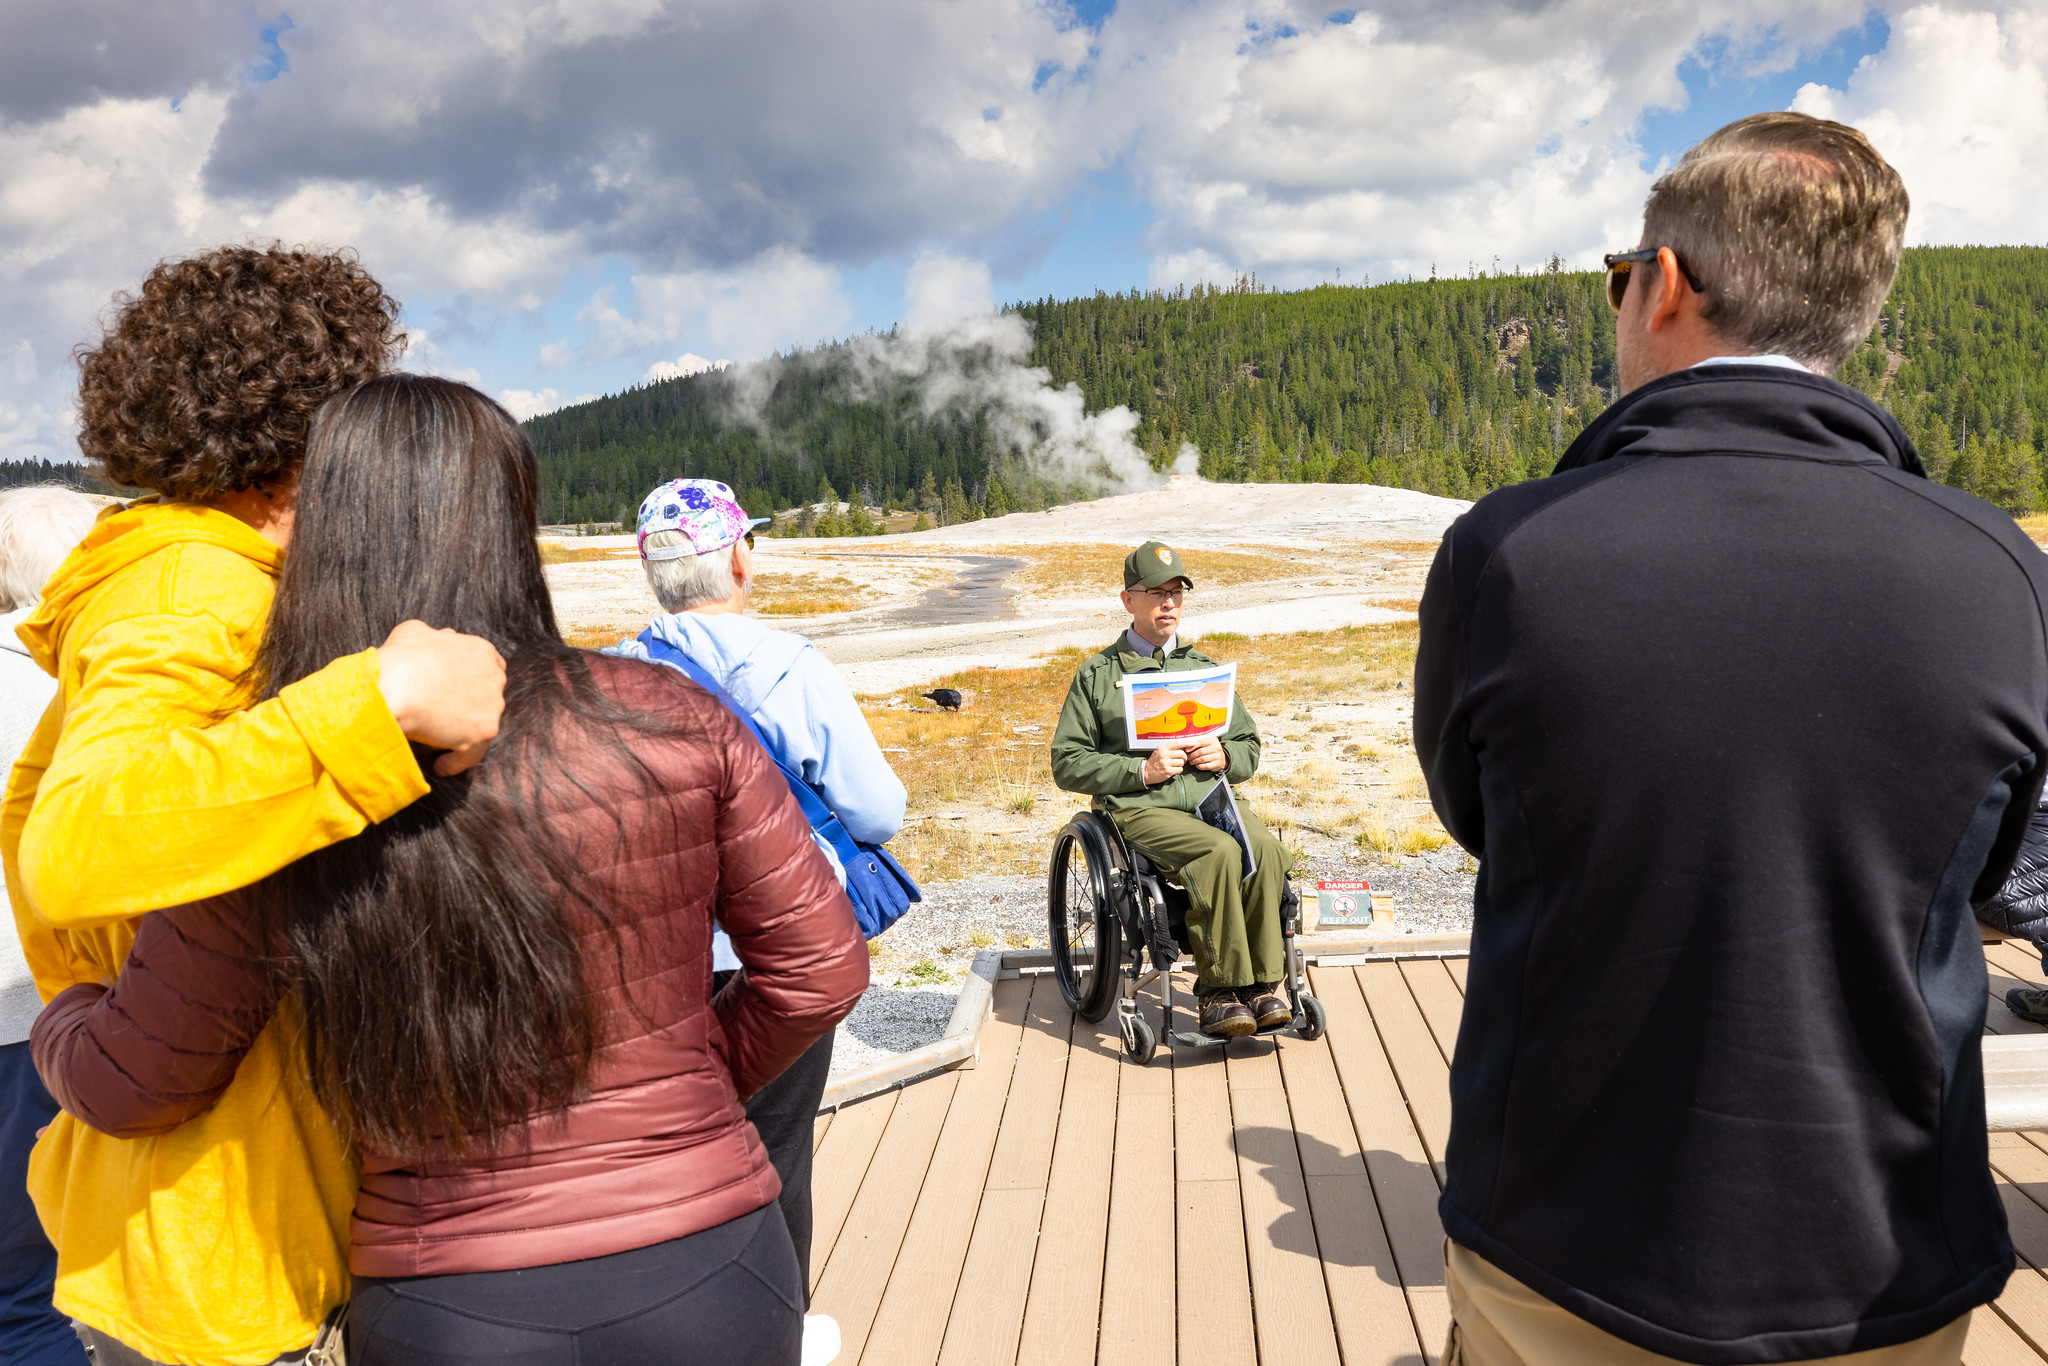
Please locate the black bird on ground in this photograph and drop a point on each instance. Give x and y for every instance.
(947, 698)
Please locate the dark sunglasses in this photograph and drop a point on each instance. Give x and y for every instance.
(750, 540)
(1621, 264)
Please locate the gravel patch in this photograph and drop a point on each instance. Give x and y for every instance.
(1432, 892)
(888, 1022)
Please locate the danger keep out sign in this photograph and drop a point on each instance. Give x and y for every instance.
(1344, 903)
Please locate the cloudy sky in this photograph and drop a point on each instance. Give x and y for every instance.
(572, 196)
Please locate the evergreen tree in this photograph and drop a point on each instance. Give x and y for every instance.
(1451, 386)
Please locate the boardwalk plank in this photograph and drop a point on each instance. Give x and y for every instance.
(1215, 1304)
(906, 1325)
(1994, 1343)
(1215, 1313)
(1292, 1304)
(1403, 1184)
(2024, 1306)
(1367, 1305)
(852, 1283)
(2016, 960)
(2008, 965)
(1138, 1283)
(1457, 968)
(1031, 1114)
(1440, 1001)
(1420, 1068)
(989, 1304)
(1064, 1307)
(837, 1170)
(818, 1129)
(1201, 1116)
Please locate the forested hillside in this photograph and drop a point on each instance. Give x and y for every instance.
(1448, 386)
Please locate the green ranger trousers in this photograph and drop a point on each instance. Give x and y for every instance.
(1233, 921)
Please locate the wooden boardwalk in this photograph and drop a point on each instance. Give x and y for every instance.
(1057, 1205)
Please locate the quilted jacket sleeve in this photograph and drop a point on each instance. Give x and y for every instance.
(790, 922)
(2021, 906)
(160, 1046)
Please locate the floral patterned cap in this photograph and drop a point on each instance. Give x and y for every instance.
(702, 509)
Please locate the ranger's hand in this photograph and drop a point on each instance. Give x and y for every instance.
(446, 690)
(1166, 762)
(1208, 755)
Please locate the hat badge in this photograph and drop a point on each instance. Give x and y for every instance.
(1165, 555)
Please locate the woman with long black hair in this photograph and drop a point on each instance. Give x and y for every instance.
(506, 989)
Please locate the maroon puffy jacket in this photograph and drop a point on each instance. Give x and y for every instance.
(661, 1148)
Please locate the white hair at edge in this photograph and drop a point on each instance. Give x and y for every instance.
(690, 581)
(39, 525)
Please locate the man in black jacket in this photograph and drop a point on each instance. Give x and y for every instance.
(1741, 714)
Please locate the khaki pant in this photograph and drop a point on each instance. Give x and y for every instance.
(1233, 921)
(1498, 1321)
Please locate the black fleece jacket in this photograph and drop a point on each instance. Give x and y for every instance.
(1741, 716)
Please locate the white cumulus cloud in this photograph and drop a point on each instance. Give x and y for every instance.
(1958, 102)
(525, 403)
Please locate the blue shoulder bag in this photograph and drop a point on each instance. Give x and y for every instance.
(875, 882)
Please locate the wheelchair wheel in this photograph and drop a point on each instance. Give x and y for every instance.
(1313, 1018)
(1140, 1040)
(1082, 922)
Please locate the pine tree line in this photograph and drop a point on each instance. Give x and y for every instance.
(1447, 386)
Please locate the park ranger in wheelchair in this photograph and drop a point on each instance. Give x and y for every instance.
(1233, 921)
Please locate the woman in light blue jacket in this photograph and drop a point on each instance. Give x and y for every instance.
(696, 545)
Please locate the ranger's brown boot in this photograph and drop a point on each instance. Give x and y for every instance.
(1223, 1016)
(1267, 1005)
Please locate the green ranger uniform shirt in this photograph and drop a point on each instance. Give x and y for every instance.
(1088, 751)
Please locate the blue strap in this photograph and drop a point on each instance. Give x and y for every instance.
(876, 884)
(820, 816)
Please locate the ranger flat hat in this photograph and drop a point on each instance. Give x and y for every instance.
(1152, 564)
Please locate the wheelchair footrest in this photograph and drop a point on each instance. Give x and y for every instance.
(1188, 1038)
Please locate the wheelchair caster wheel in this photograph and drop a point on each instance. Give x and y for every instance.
(1313, 1020)
(1139, 1039)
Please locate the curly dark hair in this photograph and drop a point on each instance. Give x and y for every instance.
(207, 380)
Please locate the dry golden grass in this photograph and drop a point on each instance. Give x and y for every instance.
(801, 607)
(801, 595)
(593, 637)
(2036, 526)
(553, 553)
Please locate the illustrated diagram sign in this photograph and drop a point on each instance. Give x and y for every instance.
(1177, 708)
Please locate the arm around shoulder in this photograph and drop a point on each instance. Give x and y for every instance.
(161, 791)
(160, 1046)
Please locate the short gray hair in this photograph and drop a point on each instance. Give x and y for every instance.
(39, 526)
(690, 581)
(1793, 224)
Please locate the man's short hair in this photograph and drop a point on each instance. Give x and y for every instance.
(39, 526)
(1793, 224)
(691, 581)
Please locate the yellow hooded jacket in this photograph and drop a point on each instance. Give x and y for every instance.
(151, 782)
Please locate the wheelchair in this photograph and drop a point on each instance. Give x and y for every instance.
(1117, 923)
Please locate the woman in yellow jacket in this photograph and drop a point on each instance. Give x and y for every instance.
(151, 782)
